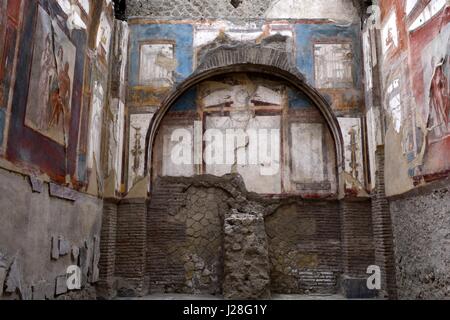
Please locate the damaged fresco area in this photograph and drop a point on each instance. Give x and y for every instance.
(65, 94)
(298, 155)
(163, 55)
(418, 123)
(53, 95)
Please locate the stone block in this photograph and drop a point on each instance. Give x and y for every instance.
(61, 285)
(247, 268)
(55, 248)
(64, 246)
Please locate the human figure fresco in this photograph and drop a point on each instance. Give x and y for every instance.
(60, 95)
(438, 121)
(47, 77)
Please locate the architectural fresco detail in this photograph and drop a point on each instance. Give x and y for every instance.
(235, 149)
(256, 111)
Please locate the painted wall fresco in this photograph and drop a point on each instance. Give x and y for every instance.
(163, 54)
(415, 75)
(298, 156)
(9, 24)
(60, 76)
(52, 77)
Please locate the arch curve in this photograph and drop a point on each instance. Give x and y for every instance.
(225, 56)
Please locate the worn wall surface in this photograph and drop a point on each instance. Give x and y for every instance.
(280, 142)
(407, 96)
(422, 242)
(341, 10)
(165, 52)
(42, 234)
(54, 91)
(415, 75)
(54, 148)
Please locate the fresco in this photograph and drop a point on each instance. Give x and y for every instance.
(337, 49)
(431, 89)
(249, 124)
(157, 64)
(104, 34)
(389, 34)
(52, 78)
(138, 125)
(9, 23)
(333, 65)
(415, 76)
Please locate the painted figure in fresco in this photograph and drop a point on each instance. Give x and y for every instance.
(60, 96)
(137, 151)
(47, 77)
(389, 39)
(438, 120)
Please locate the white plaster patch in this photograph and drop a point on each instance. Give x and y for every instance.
(307, 160)
(428, 12)
(338, 10)
(173, 146)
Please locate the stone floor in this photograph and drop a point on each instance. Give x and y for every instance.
(210, 297)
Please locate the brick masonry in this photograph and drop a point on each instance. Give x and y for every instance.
(107, 262)
(131, 246)
(305, 247)
(382, 231)
(357, 247)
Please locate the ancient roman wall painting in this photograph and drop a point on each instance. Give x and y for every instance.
(415, 75)
(389, 34)
(204, 34)
(49, 111)
(95, 126)
(271, 135)
(333, 65)
(430, 74)
(137, 129)
(157, 64)
(9, 24)
(116, 139)
(104, 35)
(351, 129)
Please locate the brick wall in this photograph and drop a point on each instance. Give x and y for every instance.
(305, 247)
(357, 237)
(185, 239)
(382, 231)
(108, 248)
(131, 247)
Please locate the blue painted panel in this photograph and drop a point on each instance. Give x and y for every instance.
(187, 102)
(298, 100)
(182, 34)
(307, 34)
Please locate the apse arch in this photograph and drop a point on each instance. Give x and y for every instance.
(295, 79)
